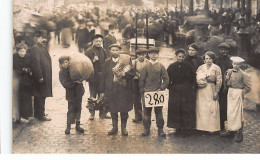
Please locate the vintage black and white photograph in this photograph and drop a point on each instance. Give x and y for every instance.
(136, 76)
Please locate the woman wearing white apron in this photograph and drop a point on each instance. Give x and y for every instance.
(209, 79)
(238, 84)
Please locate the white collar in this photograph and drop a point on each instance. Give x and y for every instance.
(115, 59)
(154, 62)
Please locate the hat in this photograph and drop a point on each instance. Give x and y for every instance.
(41, 33)
(140, 50)
(195, 46)
(224, 45)
(63, 58)
(237, 59)
(97, 36)
(153, 49)
(115, 45)
(180, 51)
(90, 24)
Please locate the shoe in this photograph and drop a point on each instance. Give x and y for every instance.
(161, 133)
(92, 116)
(239, 137)
(123, 127)
(137, 120)
(226, 133)
(104, 116)
(44, 118)
(67, 131)
(114, 130)
(78, 128)
(146, 132)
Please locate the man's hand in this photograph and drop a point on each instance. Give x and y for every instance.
(41, 80)
(95, 59)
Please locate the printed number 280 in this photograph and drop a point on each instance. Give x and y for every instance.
(155, 98)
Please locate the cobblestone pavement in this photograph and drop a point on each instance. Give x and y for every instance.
(49, 137)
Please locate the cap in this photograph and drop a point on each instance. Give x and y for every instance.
(63, 58)
(97, 36)
(141, 50)
(224, 45)
(195, 46)
(237, 59)
(153, 49)
(115, 45)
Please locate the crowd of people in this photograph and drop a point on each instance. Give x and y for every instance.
(206, 85)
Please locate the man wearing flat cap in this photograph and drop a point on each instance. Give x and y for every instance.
(224, 62)
(97, 54)
(138, 64)
(42, 75)
(116, 86)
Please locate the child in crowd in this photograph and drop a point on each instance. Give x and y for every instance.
(74, 93)
(22, 71)
(153, 77)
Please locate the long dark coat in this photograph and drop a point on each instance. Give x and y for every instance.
(25, 84)
(41, 68)
(182, 97)
(120, 98)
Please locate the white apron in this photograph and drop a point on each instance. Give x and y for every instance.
(234, 109)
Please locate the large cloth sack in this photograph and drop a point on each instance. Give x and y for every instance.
(81, 67)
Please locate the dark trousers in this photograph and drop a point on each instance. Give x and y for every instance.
(123, 115)
(39, 107)
(223, 108)
(137, 100)
(74, 110)
(147, 117)
(94, 91)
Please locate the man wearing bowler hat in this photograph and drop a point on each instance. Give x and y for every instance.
(97, 54)
(42, 75)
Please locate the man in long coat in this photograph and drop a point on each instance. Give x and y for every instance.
(118, 95)
(42, 75)
(97, 55)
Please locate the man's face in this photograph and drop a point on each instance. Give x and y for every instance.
(153, 56)
(65, 64)
(140, 57)
(236, 65)
(42, 40)
(97, 42)
(114, 52)
(223, 51)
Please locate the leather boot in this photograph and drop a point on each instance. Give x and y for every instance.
(146, 132)
(67, 131)
(78, 128)
(161, 133)
(114, 130)
(123, 127)
(239, 137)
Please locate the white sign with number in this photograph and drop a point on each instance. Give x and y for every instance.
(156, 98)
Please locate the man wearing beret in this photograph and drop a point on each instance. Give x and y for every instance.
(118, 95)
(97, 54)
(42, 75)
(224, 62)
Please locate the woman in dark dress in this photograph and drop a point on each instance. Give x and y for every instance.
(181, 105)
(22, 70)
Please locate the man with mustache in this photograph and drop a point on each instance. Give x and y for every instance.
(41, 74)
